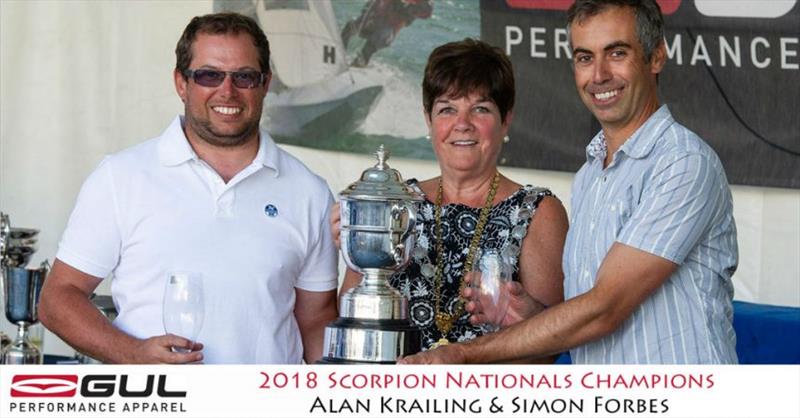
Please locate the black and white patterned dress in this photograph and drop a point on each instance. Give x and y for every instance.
(506, 228)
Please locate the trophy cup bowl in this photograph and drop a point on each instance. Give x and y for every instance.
(378, 219)
(22, 288)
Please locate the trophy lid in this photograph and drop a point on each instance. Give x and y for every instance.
(380, 182)
(17, 245)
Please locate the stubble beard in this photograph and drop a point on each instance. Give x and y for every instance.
(207, 133)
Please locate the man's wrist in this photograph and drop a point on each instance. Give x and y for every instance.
(471, 352)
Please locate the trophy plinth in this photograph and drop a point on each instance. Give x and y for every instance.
(378, 218)
(21, 290)
(21, 350)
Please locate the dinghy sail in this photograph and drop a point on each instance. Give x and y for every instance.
(313, 90)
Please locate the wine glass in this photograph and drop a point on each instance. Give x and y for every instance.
(490, 274)
(184, 306)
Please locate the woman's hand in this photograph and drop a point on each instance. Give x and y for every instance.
(336, 223)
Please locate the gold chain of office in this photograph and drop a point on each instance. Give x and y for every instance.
(444, 321)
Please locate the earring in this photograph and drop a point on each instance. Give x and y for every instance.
(428, 138)
(506, 139)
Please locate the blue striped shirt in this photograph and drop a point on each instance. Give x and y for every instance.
(665, 192)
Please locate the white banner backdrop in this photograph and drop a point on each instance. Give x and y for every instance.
(81, 79)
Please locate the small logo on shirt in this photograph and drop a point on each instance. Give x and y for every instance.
(271, 210)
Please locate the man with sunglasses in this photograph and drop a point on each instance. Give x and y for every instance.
(212, 195)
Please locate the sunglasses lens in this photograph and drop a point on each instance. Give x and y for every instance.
(214, 78)
(208, 78)
(246, 79)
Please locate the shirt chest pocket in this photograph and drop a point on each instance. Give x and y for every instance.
(619, 209)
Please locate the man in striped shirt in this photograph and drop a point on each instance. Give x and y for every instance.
(652, 241)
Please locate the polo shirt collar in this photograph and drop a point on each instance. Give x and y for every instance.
(268, 154)
(641, 143)
(174, 148)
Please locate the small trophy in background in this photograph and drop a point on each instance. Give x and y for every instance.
(21, 287)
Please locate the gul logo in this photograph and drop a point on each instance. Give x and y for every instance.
(91, 386)
(44, 385)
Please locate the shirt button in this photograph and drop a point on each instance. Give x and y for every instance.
(604, 179)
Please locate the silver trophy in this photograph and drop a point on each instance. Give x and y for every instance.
(21, 287)
(377, 238)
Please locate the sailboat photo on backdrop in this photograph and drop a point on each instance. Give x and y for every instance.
(313, 91)
(356, 95)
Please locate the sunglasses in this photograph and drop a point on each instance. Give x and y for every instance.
(249, 79)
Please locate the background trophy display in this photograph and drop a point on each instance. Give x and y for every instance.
(21, 287)
(377, 238)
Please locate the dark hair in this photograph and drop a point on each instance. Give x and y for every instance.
(463, 67)
(218, 24)
(649, 21)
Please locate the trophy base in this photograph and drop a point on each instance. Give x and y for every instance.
(21, 351)
(369, 341)
(332, 360)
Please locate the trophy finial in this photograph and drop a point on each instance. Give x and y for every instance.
(383, 154)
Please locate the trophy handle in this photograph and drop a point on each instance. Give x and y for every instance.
(396, 211)
(5, 234)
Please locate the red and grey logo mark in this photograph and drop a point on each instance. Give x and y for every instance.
(44, 385)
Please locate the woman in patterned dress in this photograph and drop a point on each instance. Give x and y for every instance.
(468, 98)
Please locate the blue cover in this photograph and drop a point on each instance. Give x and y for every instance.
(765, 334)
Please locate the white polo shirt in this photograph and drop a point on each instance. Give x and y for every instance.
(156, 207)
